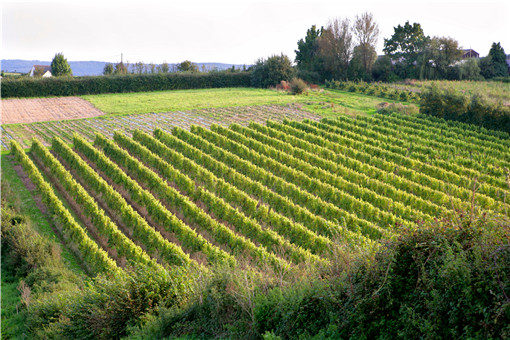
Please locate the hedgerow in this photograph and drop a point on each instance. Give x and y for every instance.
(73, 86)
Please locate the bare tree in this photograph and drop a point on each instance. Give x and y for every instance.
(138, 67)
(366, 31)
(335, 47)
(164, 68)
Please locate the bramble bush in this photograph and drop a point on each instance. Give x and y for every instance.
(298, 86)
(448, 279)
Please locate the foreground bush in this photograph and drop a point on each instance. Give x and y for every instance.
(447, 280)
(389, 108)
(69, 86)
(298, 86)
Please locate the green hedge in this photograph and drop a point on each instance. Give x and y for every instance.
(473, 109)
(443, 103)
(72, 86)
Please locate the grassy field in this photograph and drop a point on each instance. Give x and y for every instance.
(164, 101)
(323, 101)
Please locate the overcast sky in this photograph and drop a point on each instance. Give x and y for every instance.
(224, 31)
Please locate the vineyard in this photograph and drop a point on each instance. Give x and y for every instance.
(272, 196)
(64, 129)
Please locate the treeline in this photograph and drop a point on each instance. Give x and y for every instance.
(151, 68)
(346, 51)
(72, 86)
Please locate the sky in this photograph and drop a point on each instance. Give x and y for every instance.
(237, 32)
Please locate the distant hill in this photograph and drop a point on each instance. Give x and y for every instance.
(86, 68)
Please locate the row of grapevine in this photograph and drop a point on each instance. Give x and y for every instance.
(136, 226)
(384, 133)
(215, 204)
(492, 186)
(419, 144)
(361, 199)
(115, 239)
(399, 155)
(476, 135)
(296, 233)
(313, 203)
(189, 239)
(293, 171)
(441, 180)
(461, 128)
(309, 154)
(96, 260)
(405, 179)
(275, 201)
(445, 136)
(237, 244)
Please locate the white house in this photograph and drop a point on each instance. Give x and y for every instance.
(40, 71)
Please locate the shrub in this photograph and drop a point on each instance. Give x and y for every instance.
(298, 86)
(272, 71)
(389, 108)
(448, 279)
(472, 109)
(43, 87)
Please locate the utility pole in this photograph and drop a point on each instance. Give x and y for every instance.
(121, 55)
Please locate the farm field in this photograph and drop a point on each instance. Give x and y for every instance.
(45, 131)
(182, 108)
(272, 197)
(28, 110)
(164, 101)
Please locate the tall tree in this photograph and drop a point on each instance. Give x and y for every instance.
(335, 48)
(358, 67)
(108, 69)
(60, 66)
(164, 68)
(469, 70)
(271, 71)
(498, 58)
(366, 31)
(138, 67)
(307, 52)
(187, 66)
(405, 46)
(439, 56)
(120, 68)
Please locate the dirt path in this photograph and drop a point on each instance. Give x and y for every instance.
(30, 110)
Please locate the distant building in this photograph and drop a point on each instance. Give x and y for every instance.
(40, 71)
(469, 53)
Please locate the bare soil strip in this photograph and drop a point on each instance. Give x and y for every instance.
(29, 110)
